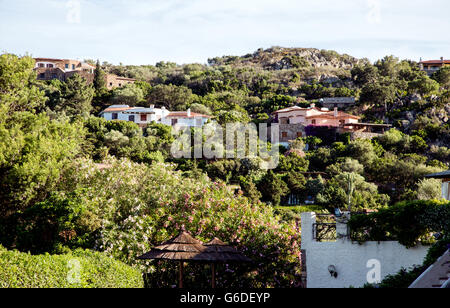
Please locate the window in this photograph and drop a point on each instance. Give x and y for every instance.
(174, 122)
(131, 118)
(299, 134)
(111, 84)
(73, 66)
(284, 134)
(115, 116)
(313, 122)
(50, 65)
(120, 84)
(284, 121)
(67, 66)
(42, 75)
(41, 65)
(143, 118)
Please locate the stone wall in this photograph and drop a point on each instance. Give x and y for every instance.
(290, 132)
(113, 81)
(364, 135)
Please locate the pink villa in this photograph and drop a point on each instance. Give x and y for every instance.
(293, 120)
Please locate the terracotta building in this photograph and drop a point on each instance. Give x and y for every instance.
(292, 121)
(63, 69)
(432, 66)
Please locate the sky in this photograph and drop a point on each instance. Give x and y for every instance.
(138, 32)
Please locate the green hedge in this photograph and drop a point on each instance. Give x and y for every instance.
(79, 269)
(408, 222)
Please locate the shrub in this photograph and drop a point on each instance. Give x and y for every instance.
(407, 222)
(141, 206)
(22, 270)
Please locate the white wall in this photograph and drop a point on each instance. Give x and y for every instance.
(350, 259)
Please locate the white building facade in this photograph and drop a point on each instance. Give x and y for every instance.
(144, 116)
(344, 264)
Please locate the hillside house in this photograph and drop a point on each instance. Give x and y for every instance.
(62, 69)
(432, 66)
(292, 121)
(144, 116)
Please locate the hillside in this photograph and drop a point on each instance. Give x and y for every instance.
(279, 58)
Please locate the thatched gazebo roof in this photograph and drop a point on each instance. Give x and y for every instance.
(181, 248)
(222, 252)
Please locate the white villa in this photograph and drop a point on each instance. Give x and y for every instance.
(144, 116)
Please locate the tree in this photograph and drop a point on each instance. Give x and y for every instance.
(33, 153)
(423, 85)
(18, 89)
(429, 189)
(76, 97)
(351, 188)
(175, 98)
(378, 93)
(99, 79)
(129, 94)
(443, 77)
(363, 75)
(199, 108)
(273, 188)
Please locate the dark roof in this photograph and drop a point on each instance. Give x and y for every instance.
(181, 248)
(440, 175)
(368, 124)
(222, 252)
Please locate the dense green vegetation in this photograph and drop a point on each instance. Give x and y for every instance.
(55, 196)
(77, 269)
(406, 222)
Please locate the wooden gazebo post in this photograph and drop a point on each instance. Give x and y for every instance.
(213, 283)
(180, 276)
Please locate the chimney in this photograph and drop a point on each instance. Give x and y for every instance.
(152, 106)
(189, 112)
(336, 112)
(313, 106)
(442, 59)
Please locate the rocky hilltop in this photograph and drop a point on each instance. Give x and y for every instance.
(279, 58)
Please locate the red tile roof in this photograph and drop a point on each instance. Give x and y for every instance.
(117, 109)
(436, 62)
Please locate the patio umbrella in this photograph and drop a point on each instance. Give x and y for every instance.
(222, 253)
(181, 249)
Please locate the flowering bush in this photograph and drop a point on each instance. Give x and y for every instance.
(141, 206)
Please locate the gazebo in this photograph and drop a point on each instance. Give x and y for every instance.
(185, 248)
(223, 253)
(445, 177)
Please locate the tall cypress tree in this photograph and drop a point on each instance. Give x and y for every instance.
(99, 79)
